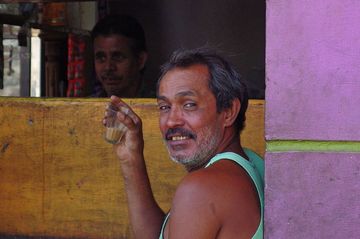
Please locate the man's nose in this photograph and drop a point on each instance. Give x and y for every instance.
(110, 64)
(175, 118)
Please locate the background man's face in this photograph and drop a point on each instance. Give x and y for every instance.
(189, 123)
(116, 66)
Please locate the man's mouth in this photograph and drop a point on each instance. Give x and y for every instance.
(108, 79)
(176, 138)
(179, 134)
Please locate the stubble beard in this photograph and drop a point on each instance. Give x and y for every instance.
(206, 149)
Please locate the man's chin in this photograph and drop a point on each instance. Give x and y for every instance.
(111, 91)
(180, 158)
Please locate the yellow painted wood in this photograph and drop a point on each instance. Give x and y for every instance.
(59, 178)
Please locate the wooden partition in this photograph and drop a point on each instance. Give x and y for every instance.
(60, 179)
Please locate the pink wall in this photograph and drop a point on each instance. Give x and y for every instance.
(312, 195)
(313, 69)
(312, 94)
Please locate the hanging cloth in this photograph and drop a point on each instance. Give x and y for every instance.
(76, 64)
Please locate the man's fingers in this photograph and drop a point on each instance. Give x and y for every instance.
(127, 115)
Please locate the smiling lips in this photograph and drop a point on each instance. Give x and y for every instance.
(178, 142)
(110, 80)
(177, 138)
(178, 134)
(180, 139)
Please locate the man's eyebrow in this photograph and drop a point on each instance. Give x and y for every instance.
(179, 94)
(160, 97)
(185, 93)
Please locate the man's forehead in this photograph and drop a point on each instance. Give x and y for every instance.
(110, 49)
(194, 74)
(114, 42)
(189, 81)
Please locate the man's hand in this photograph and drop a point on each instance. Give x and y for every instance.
(132, 143)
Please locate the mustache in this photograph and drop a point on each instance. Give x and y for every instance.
(179, 131)
(108, 74)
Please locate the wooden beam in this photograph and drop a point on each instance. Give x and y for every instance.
(59, 178)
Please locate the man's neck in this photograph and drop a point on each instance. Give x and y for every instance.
(234, 146)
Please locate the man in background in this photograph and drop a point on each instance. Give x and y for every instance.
(120, 55)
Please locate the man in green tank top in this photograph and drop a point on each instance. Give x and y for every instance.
(202, 103)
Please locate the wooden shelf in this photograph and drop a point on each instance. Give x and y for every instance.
(21, 20)
(61, 29)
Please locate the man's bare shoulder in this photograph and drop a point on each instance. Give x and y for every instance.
(221, 196)
(225, 178)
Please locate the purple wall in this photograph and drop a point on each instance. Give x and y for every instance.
(312, 195)
(313, 69)
(312, 94)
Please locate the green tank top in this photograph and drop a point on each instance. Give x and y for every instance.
(255, 168)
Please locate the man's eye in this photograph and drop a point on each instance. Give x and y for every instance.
(164, 107)
(100, 58)
(190, 105)
(118, 57)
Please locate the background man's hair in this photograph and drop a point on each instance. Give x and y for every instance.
(225, 82)
(125, 25)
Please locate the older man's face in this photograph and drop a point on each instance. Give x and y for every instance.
(117, 68)
(189, 123)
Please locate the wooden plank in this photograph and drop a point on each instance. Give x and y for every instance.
(59, 178)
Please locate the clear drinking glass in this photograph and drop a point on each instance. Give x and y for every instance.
(114, 128)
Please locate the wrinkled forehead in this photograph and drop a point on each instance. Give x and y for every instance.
(193, 78)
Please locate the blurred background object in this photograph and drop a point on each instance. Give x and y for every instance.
(235, 27)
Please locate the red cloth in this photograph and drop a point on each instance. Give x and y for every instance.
(76, 64)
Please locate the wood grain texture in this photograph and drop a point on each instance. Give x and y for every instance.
(59, 178)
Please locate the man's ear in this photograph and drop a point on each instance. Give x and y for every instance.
(232, 112)
(142, 59)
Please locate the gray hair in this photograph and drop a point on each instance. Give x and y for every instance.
(225, 82)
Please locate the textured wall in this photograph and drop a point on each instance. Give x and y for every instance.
(312, 122)
(312, 195)
(313, 59)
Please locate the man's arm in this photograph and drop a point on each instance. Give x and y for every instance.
(193, 211)
(145, 215)
(215, 202)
